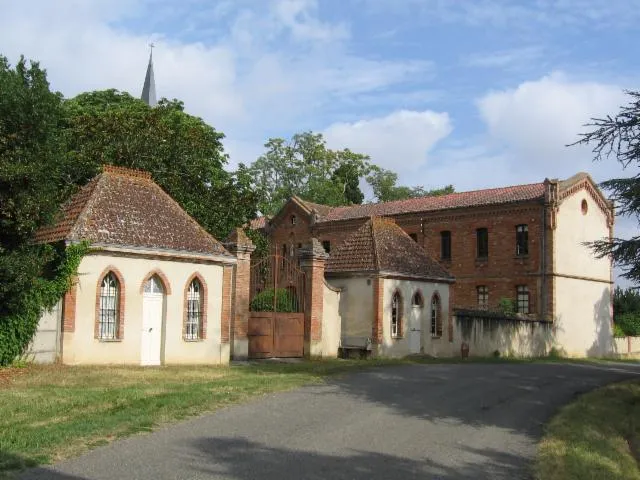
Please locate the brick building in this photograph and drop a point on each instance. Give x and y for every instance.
(523, 242)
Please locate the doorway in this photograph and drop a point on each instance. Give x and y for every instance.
(152, 320)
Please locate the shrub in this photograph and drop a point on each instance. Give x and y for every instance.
(286, 301)
(617, 331)
(628, 324)
(507, 306)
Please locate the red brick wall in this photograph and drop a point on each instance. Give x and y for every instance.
(240, 323)
(378, 309)
(227, 287)
(284, 232)
(314, 301)
(69, 308)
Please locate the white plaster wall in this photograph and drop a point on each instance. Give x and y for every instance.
(80, 347)
(331, 323)
(398, 347)
(44, 347)
(574, 228)
(516, 339)
(583, 317)
(355, 306)
(627, 346)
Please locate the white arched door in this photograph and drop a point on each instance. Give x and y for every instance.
(152, 314)
(415, 323)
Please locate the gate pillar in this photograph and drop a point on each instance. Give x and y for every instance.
(312, 260)
(241, 247)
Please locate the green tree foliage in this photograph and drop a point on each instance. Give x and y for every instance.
(385, 188)
(33, 181)
(184, 155)
(307, 168)
(620, 136)
(285, 301)
(626, 311)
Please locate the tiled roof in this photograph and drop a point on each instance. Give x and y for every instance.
(492, 196)
(258, 223)
(380, 245)
(125, 208)
(321, 210)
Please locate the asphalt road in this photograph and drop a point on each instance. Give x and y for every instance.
(418, 421)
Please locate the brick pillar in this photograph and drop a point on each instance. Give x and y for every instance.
(312, 261)
(241, 247)
(378, 311)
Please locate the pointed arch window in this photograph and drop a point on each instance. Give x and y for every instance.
(436, 316)
(396, 315)
(193, 324)
(108, 314)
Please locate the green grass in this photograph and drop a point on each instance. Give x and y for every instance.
(596, 437)
(48, 413)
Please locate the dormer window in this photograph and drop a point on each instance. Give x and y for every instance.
(293, 219)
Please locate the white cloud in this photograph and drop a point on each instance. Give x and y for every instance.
(298, 15)
(400, 141)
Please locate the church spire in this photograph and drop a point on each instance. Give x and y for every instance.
(149, 88)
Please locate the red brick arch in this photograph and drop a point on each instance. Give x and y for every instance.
(205, 310)
(121, 301)
(163, 278)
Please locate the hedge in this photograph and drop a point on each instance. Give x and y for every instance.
(286, 301)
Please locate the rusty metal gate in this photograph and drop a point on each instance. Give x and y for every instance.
(276, 317)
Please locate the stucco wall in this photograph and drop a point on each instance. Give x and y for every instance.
(417, 318)
(355, 306)
(44, 348)
(627, 346)
(485, 335)
(573, 229)
(331, 322)
(583, 317)
(80, 346)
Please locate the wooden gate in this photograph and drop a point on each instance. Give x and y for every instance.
(276, 317)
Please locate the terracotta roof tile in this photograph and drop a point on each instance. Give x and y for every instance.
(380, 245)
(492, 196)
(258, 223)
(123, 207)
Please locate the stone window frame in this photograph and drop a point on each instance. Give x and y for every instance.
(436, 315)
(522, 240)
(399, 310)
(121, 297)
(523, 299)
(202, 331)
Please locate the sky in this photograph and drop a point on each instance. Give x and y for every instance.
(474, 93)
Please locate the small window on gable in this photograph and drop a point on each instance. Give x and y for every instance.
(414, 236)
(326, 244)
(584, 206)
(396, 315)
(417, 300)
(294, 220)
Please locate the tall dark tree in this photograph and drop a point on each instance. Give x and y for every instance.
(184, 155)
(384, 185)
(619, 136)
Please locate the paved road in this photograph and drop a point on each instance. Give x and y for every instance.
(418, 421)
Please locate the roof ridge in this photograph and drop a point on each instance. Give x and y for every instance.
(127, 172)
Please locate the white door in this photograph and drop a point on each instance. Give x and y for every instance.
(152, 312)
(414, 330)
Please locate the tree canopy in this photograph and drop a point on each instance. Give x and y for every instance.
(305, 167)
(619, 136)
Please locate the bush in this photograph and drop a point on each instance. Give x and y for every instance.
(286, 301)
(507, 306)
(617, 331)
(628, 324)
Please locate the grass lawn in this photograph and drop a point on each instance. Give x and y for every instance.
(48, 413)
(596, 437)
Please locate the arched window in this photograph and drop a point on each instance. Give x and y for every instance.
(154, 285)
(436, 316)
(417, 300)
(396, 315)
(193, 324)
(108, 314)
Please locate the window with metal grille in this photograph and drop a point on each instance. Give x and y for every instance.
(194, 311)
(396, 313)
(436, 317)
(483, 297)
(109, 308)
(522, 240)
(482, 240)
(445, 245)
(523, 299)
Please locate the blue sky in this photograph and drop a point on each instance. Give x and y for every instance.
(476, 93)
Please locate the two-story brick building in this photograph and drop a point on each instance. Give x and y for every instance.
(525, 243)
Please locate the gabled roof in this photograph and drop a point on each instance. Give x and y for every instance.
(491, 196)
(124, 208)
(381, 246)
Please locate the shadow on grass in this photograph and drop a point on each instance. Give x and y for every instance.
(243, 459)
(11, 466)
